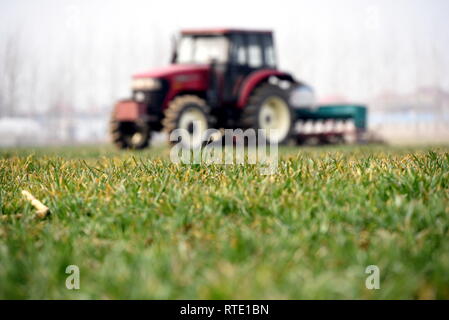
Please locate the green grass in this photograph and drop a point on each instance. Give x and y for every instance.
(140, 227)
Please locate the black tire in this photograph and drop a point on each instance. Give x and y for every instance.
(123, 134)
(250, 117)
(179, 107)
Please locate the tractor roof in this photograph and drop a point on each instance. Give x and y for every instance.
(222, 31)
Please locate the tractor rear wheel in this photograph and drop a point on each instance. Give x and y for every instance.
(268, 109)
(130, 135)
(191, 114)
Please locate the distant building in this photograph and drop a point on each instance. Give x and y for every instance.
(420, 116)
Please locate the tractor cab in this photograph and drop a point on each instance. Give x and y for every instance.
(252, 49)
(232, 54)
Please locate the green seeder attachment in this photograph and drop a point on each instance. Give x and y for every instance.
(336, 112)
(332, 123)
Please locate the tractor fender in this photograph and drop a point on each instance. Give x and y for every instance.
(254, 79)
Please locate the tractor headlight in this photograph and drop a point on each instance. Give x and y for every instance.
(146, 84)
(302, 97)
(139, 96)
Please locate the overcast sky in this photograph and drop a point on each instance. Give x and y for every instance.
(88, 49)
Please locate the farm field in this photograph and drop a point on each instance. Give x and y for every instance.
(138, 226)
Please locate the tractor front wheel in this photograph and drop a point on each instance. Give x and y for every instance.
(268, 109)
(130, 135)
(191, 115)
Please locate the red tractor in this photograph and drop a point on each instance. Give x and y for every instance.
(219, 78)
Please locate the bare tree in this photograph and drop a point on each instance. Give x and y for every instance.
(11, 65)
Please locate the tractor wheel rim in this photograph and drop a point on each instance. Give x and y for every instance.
(137, 138)
(194, 123)
(275, 118)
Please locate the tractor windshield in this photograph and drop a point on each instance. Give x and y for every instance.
(202, 49)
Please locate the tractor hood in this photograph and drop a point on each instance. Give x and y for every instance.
(173, 70)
